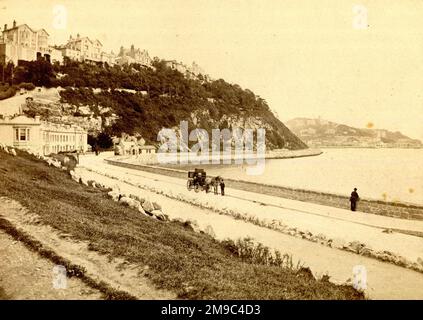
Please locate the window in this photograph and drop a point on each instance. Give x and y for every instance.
(22, 134)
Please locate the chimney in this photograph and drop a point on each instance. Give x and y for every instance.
(14, 23)
(77, 36)
(5, 27)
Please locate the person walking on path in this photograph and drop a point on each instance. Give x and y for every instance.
(353, 199)
(222, 187)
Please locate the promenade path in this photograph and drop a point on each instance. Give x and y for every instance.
(385, 281)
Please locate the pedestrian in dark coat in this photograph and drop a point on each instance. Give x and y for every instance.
(222, 187)
(353, 199)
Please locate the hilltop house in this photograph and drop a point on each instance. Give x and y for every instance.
(21, 42)
(41, 137)
(175, 65)
(132, 55)
(86, 49)
(191, 72)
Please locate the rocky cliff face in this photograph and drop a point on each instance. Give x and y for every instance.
(46, 104)
(278, 136)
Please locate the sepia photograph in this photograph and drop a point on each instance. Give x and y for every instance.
(213, 150)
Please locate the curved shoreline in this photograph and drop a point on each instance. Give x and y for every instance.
(390, 209)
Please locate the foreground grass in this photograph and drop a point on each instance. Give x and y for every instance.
(195, 266)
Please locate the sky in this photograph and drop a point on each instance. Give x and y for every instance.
(305, 58)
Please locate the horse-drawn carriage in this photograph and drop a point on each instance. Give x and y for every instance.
(198, 180)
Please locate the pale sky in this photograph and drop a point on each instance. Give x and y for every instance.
(304, 57)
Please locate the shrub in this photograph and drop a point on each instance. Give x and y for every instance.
(250, 252)
(8, 93)
(27, 86)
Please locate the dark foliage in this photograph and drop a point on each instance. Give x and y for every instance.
(39, 73)
(148, 99)
(7, 91)
(103, 140)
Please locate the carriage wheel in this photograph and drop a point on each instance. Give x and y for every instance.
(197, 188)
(189, 186)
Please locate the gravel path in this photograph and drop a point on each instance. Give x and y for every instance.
(24, 275)
(117, 273)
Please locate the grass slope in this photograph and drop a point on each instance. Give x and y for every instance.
(195, 266)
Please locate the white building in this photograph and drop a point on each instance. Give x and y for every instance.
(108, 58)
(21, 42)
(132, 146)
(132, 55)
(86, 49)
(41, 137)
(175, 65)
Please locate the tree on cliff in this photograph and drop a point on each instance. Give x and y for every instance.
(104, 141)
(39, 72)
